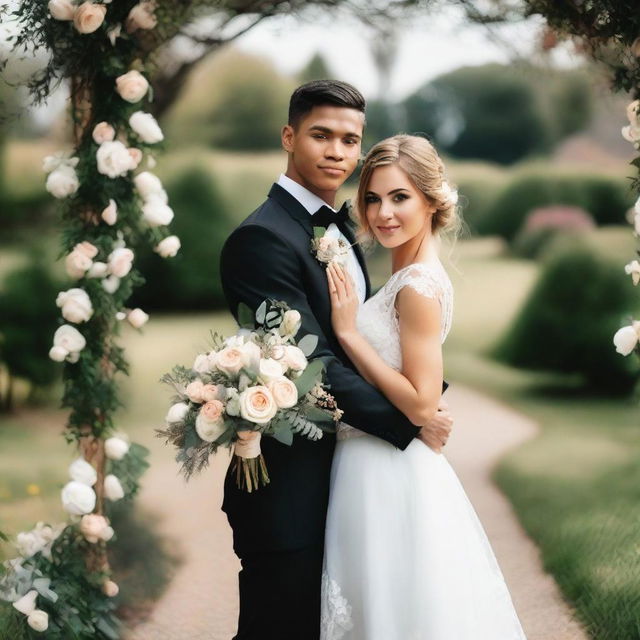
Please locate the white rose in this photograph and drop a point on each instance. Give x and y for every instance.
(110, 589)
(111, 284)
(132, 86)
(177, 412)
(269, 370)
(633, 269)
(631, 133)
(114, 33)
(116, 448)
(633, 109)
(103, 132)
(77, 264)
(88, 17)
(625, 340)
(251, 355)
(168, 247)
(110, 213)
(257, 405)
(156, 212)
(113, 159)
(62, 182)
(148, 184)
(635, 48)
(146, 127)
(69, 338)
(141, 16)
(137, 318)
(98, 270)
(29, 543)
(26, 604)
(235, 341)
(58, 354)
(75, 305)
(112, 488)
(81, 471)
(284, 392)
(38, 620)
(120, 262)
(78, 498)
(61, 9)
(291, 322)
(294, 358)
(201, 364)
(209, 430)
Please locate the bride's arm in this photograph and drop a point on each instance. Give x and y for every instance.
(417, 389)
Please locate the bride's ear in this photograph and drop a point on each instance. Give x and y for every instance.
(287, 137)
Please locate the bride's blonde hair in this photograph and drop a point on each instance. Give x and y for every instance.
(418, 158)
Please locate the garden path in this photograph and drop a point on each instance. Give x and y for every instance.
(200, 603)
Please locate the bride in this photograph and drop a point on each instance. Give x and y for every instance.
(406, 557)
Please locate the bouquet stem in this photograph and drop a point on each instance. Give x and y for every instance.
(251, 473)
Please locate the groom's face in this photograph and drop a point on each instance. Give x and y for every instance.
(324, 148)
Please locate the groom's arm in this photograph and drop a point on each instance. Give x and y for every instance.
(256, 264)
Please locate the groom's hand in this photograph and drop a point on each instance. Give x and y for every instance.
(438, 429)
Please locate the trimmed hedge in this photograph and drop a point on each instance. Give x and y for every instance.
(606, 199)
(567, 324)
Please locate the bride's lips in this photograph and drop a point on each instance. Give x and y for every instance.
(389, 229)
(332, 171)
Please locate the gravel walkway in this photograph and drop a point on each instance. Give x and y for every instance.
(200, 602)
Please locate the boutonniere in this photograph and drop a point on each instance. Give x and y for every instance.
(327, 248)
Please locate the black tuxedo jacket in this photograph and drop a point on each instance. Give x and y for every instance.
(269, 256)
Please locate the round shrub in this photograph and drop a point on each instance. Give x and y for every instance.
(190, 280)
(567, 323)
(606, 199)
(545, 223)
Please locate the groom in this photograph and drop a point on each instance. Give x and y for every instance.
(278, 530)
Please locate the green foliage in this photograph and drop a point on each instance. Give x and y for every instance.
(28, 318)
(496, 112)
(606, 199)
(130, 469)
(567, 323)
(190, 280)
(315, 69)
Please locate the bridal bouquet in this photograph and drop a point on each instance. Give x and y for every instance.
(255, 382)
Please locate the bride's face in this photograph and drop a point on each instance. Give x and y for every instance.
(396, 210)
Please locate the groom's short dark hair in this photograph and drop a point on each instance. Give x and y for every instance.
(323, 92)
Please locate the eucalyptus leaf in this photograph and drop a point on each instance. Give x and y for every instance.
(284, 435)
(318, 232)
(315, 414)
(261, 312)
(309, 377)
(245, 316)
(308, 344)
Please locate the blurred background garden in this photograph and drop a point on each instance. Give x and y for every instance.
(531, 137)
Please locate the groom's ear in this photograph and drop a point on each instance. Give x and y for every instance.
(287, 137)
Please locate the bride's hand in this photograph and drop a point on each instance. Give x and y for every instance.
(344, 300)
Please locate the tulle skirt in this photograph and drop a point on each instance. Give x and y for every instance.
(406, 557)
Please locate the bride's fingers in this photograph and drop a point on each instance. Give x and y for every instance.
(332, 286)
(340, 286)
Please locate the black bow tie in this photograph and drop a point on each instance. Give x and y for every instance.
(325, 216)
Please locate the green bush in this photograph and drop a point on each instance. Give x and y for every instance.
(28, 320)
(606, 199)
(190, 280)
(567, 323)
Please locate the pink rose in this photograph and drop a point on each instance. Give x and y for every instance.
(194, 391)
(142, 17)
(77, 264)
(103, 132)
(229, 360)
(284, 392)
(110, 213)
(209, 423)
(88, 17)
(137, 318)
(132, 86)
(110, 589)
(87, 249)
(257, 405)
(212, 410)
(95, 527)
(211, 392)
(120, 262)
(136, 156)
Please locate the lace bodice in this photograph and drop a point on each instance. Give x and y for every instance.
(377, 318)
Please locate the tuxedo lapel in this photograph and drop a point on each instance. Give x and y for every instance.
(292, 207)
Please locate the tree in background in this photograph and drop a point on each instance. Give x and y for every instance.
(316, 69)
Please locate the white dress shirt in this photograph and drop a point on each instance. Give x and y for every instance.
(311, 202)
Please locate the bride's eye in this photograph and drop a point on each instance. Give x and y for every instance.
(370, 199)
(399, 197)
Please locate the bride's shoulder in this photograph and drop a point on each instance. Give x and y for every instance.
(427, 278)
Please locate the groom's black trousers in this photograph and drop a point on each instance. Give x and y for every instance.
(280, 595)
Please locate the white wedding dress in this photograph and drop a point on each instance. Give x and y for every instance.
(406, 557)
